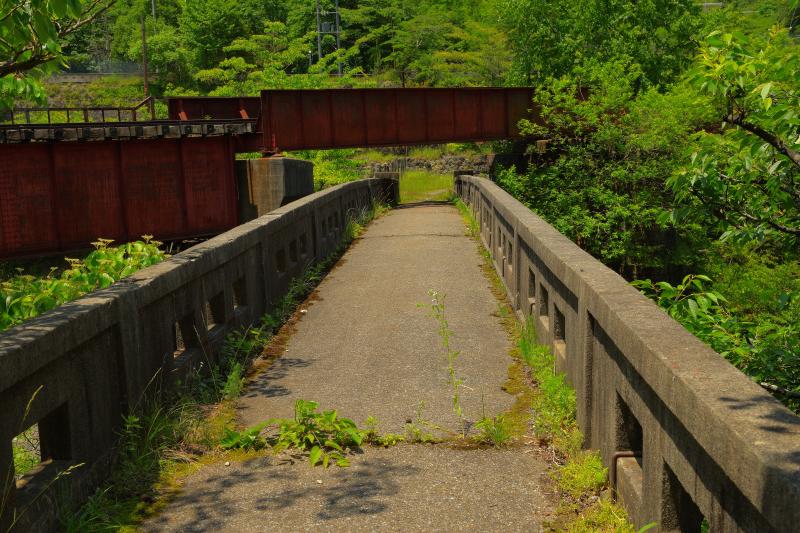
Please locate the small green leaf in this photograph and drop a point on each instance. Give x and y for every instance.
(315, 455)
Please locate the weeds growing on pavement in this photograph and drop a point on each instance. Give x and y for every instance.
(494, 430)
(163, 439)
(438, 312)
(579, 475)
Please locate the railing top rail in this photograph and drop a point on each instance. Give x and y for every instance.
(107, 112)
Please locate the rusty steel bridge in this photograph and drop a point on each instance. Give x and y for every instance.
(63, 185)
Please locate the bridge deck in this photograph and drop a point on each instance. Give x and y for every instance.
(366, 348)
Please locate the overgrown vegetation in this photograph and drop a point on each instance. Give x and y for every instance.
(672, 151)
(25, 296)
(582, 480)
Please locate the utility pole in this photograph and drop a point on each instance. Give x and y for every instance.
(338, 63)
(324, 28)
(144, 66)
(319, 35)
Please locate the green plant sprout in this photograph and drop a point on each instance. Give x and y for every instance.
(437, 307)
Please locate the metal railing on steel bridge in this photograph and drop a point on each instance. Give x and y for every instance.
(144, 110)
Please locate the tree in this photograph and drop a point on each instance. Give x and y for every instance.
(210, 25)
(748, 176)
(551, 37)
(30, 41)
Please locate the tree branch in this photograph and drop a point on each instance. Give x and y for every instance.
(770, 138)
(39, 55)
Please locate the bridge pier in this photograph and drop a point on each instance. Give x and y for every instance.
(268, 183)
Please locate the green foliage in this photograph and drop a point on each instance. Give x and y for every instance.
(23, 297)
(247, 439)
(30, 42)
(496, 431)
(332, 167)
(604, 516)
(748, 177)
(418, 430)
(600, 180)
(325, 436)
(23, 449)
(372, 436)
(584, 473)
(765, 348)
(551, 38)
(233, 47)
(698, 308)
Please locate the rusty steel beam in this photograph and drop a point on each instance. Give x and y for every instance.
(346, 118)
(56, 197)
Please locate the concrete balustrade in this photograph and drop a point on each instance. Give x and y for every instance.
(97, 358)
(686, 434)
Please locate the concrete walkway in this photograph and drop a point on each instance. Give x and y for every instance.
(366, 348)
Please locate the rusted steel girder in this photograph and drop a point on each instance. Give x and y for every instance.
(60, 196)
(344, 118)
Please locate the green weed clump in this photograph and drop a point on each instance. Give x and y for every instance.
(580, 475)
(325, 436)
(496, 431)
(23, 296)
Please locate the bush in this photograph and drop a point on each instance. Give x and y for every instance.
(23, 297)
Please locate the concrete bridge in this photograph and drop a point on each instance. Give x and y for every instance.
(689, 436)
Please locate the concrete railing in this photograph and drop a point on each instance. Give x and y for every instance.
(94, 359)
(702, 439)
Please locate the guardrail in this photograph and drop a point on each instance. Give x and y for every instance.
(96, 357)
(85, 114)
(688, 435)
